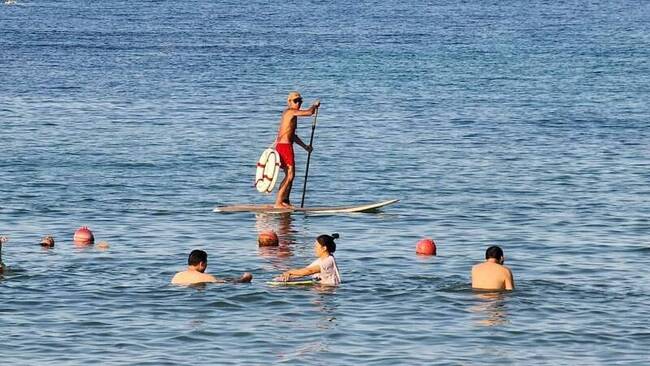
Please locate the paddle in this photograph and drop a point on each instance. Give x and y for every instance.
(311, 140)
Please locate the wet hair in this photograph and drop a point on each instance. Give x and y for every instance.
(47, 241)
(197, 256)
(328, 242)
(494, 252)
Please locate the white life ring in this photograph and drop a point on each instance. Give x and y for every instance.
(268, 167)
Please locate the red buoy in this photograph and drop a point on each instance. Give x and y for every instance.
(84, 236)
(426, 247)
(268, 238)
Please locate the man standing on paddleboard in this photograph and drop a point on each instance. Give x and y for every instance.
(284, 143)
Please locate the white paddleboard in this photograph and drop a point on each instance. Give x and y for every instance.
(268, 167)
(292, 283)
(368, 207)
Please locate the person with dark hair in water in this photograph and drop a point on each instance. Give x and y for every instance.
(47, 241)
(492, 274)
(324, 268)
(197, 262)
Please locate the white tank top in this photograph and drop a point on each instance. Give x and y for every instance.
(329, 272)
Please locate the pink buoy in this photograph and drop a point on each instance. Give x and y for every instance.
(84, 236)
(268, 238)
(426, 247)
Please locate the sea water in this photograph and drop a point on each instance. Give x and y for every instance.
(521, 124)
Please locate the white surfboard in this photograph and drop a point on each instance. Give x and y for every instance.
(292, 283)
(268, 167)
(368, 207)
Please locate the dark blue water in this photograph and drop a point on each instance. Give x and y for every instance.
(518, 124)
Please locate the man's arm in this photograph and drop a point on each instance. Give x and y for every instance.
(212, 279)
(306, 112)
(245, 278)
(298, 141)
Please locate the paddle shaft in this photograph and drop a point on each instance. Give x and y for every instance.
(311, 140)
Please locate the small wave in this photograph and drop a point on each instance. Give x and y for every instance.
(639, 250)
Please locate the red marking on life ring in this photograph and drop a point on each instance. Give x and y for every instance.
(265, 177)
(263, 166)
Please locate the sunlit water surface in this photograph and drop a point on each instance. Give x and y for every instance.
(523, 125)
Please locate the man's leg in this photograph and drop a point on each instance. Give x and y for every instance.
(287, 193)
(291, 174)
(280, 196)
(285, 187)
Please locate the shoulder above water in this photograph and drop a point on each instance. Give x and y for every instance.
(189, 278)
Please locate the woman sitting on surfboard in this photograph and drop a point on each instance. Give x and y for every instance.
(324, 268)
(284, 144)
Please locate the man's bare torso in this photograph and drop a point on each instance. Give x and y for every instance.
(287, 129)
(191, 277)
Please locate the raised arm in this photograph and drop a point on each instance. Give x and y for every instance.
(306, 112)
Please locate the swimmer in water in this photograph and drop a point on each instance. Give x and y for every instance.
(3, 239)
(47, 241)
(195, 273)
(324, 268)
(492, 274)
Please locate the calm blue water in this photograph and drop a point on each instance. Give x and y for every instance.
(523, 124)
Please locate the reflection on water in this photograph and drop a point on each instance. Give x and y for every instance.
(327, 305)
(302, 350)
(511, 150)
(82, 247)
(281, 251)
(201, 286)
(196, 324)
(491, 308)
(281, 225)
(317, 330)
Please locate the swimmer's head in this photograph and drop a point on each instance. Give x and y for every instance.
(198, 259)
(47, 241)
(494, 252)
(327, 243)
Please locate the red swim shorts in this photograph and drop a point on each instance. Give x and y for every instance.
(286, 154)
